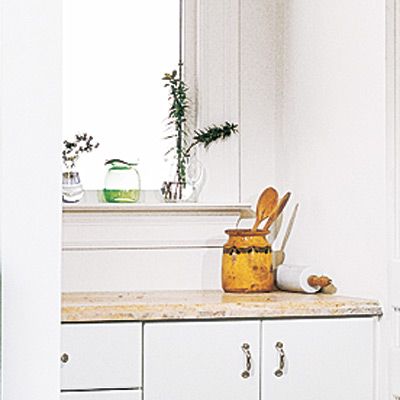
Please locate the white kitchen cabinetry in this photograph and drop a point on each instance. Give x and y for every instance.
(202, 360)
(273, 359)
(103, 395)
(101, 356)
(327, 359)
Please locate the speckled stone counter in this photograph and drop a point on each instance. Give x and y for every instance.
(201, 305)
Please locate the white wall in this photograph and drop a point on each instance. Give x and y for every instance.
(309, 93)
(30, 129)
(259, 59)
(236, 81)
(306, 81)
(331, 145)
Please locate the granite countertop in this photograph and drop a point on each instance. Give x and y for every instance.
(201, 305)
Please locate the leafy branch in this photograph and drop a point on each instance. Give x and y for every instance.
(179, 105)
(211, 134)
(177, 118)
(82, 143)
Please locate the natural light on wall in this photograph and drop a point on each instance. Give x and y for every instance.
(115, 54)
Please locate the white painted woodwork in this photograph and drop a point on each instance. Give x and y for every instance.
(30, 209)
(147, 226)
(395, 371)
(109, 247)
(218, 87)
(101, 355)
(200, 360)
(393, 151)
(238, 85)
(326, 359)
(142, 269)
(393, 191)
(259, 96)
(103, 395)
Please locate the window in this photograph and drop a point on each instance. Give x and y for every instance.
(115, 54)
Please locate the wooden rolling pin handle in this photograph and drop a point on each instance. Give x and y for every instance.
(320, 281)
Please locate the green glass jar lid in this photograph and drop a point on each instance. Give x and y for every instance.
(117, 163)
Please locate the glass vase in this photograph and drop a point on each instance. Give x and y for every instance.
(72, 189)
(174, 191)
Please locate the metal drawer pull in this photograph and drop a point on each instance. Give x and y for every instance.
(279, 348)
(64, 358)
(246, 351)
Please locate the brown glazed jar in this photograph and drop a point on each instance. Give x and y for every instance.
(247, 262)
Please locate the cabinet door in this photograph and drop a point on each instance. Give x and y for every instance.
(327, 359)
(103, 395)
(201, 361)
(101, 356)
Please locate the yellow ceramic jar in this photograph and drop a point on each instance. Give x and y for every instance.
(247, 262)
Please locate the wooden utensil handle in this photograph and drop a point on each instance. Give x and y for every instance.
(320, 281)
(277, 211)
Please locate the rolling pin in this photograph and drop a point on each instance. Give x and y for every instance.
(295, 278)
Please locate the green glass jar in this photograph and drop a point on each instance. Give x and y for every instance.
(122, 182)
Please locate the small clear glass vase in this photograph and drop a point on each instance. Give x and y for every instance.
(72, 189)
(174, 191)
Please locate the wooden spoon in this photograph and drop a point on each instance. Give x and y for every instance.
(266, 204)
(278, 210)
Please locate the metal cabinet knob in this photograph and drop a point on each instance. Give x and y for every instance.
(246, 350)
(279, 348)
(64, 358)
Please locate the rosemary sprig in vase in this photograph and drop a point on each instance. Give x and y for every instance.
(184, 142)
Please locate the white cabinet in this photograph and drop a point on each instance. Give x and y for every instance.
(327, 359)
(277, 359)
(101, 356)
(202, 360)
(103, 395)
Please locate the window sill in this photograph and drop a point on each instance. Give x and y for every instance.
(151, 204)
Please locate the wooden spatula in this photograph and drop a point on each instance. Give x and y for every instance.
(278, 210)
(266, 204)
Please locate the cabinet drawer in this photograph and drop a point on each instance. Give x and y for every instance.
(101, 356)
(103, 395)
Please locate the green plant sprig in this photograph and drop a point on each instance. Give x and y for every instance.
(179, 104)
(208, 135)
(177, 118)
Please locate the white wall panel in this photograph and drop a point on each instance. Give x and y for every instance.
(30, 209)
(218, 94)
(129, 270)
(236, 81)
(141, 230)
(394, 155)
(259, 58)
(393, 190)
